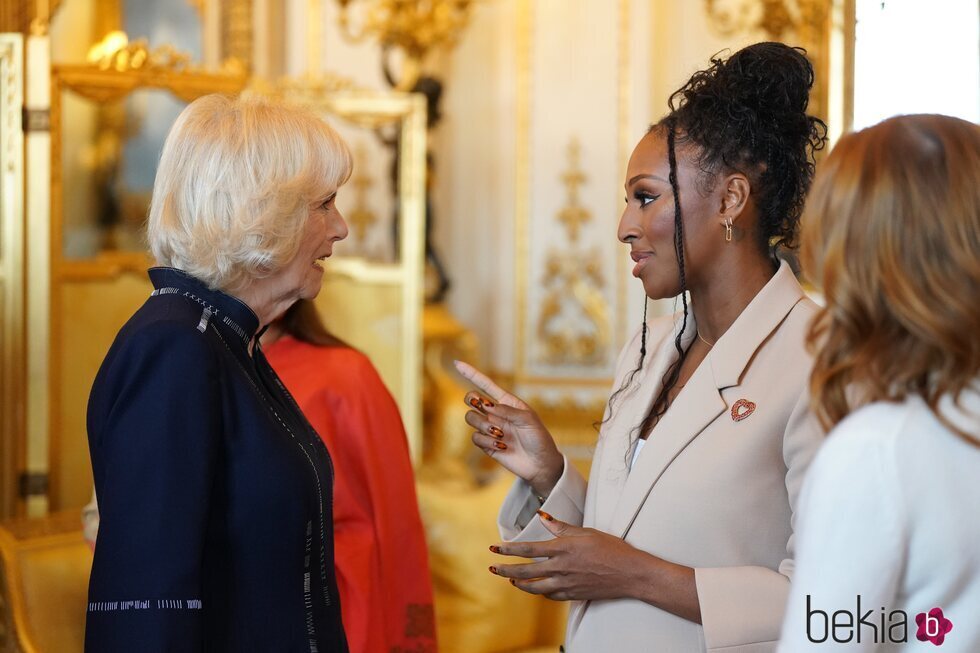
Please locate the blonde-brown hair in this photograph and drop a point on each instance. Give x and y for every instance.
(891, 233)
(234, 187)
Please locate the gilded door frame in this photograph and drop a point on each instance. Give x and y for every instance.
(12, 317)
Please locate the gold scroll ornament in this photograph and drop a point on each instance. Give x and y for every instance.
(573, 324)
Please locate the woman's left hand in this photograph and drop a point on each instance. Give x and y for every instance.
(583, 564)
(580, 564)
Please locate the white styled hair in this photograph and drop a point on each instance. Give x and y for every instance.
(234, 186)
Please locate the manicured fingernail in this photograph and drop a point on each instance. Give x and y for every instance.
(488, 404)
(475, 403)
(494, 431)
(545, 515)
(494, 548)
(493, 570)
(500, 445)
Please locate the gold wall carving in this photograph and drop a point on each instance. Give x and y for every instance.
(573, 322)
(611, 325)
(574, 214)
(12, 309)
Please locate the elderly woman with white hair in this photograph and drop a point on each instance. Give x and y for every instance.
(215, 493)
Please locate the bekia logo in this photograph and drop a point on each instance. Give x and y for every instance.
(879, 627)
(932, 626)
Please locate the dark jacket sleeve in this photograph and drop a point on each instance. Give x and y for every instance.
(154, 430)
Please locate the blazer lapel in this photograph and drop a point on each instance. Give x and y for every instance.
(700, 402)
(696, 406)
(763, 315)
(610, 473)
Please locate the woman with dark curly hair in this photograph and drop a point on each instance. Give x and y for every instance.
(682, 538)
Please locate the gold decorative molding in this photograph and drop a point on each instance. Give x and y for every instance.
(309, 91)
(540, 335)
(776, 18)
(361, 217)
(237, 33)
(574, 215)
(12, 307)
(573, 323)
(573, 320)
(116, 52)
(100, 84)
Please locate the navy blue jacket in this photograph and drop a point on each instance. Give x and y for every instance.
(215, 494)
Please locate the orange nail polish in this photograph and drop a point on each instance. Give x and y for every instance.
(494, 548)
(493, 570)
(475, 403)
(486, 402)
(500, 445)
(496, 432)
(545, 515)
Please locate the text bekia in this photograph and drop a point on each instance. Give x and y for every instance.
(844, 626)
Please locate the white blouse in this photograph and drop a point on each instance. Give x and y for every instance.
(890, 517)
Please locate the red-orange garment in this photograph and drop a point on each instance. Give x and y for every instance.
(380, 552)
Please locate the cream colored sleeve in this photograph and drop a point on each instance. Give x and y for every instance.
(90, 520)
(742, 607)
(518, 520)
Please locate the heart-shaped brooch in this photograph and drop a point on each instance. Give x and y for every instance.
(742, 409)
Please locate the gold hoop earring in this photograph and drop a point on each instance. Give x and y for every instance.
(728, 230)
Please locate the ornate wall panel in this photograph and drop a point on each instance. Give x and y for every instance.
(574, 136)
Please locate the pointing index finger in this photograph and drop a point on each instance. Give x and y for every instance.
(482, 381)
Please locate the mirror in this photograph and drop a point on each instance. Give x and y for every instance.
(108, 160)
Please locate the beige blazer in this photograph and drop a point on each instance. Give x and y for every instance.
(707, 491)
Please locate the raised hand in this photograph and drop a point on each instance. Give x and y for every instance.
(511, 433)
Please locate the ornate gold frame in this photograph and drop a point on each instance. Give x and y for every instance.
(12, 317)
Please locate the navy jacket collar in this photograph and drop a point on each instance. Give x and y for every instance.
(227, 311)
